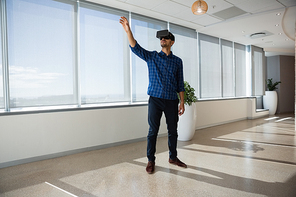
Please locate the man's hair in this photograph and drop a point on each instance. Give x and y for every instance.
(172, 37)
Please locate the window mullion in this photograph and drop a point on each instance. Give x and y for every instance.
(76, 77)
(221, 68)
(130, 65)
(6, 93)
(234, 69)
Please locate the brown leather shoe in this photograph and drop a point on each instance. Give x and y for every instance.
(150, 167)
(178, 162)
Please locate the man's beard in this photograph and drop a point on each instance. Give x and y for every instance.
(163, 44)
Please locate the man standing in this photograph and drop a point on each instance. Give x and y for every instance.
(165, 82)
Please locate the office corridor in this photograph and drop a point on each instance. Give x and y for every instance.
(244, 158)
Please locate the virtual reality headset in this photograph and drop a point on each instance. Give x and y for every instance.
(165, 34)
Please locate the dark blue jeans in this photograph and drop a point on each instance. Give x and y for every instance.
(156, 107)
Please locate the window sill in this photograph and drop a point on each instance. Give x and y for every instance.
(50, 109)
(219, 99)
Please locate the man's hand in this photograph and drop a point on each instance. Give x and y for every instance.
(181, 109)
(125, 24)
(181, 106)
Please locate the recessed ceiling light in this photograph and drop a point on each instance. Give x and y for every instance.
(280, 33)
(278, 14)
(243, 31)
(277, 25)
(287, 39)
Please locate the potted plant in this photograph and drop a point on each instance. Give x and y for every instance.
(270, 98)
(186, 127)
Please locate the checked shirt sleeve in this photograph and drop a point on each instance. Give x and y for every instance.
(141, 52)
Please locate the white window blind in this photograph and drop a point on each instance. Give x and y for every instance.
(104, 64)
(240, 70)
(1, 78)
(257, 74)
(210, 69)
(40, 52)
(227, 68)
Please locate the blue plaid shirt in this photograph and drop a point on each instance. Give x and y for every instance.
(165, 73)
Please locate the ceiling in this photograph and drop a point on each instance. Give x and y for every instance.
(233, 20)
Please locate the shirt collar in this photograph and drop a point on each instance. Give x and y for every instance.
(163, 53)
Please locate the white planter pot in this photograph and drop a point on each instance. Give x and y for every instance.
(186, 125)
(270, 100)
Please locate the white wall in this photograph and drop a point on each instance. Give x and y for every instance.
(211, 113)
(34, 135)
(282, 68)
(31, 137)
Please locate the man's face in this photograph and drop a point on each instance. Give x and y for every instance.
(166, 42)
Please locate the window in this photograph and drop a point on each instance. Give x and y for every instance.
(257, 67)
(104, 55)
(1, 87)
(185, 47)
(227, 68)
(1, 76)
(68, 52)
(210, 69)
(144, 30)
(240, 70)
(40, 49)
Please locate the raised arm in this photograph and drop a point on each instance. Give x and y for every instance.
(125, 24)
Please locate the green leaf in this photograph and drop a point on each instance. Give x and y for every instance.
(189, 95)
(270, 85)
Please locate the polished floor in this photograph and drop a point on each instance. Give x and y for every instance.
(244, 158)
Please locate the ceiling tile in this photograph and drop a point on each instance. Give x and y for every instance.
(229, 13)
(206, 20)
(185, 2)
(262, 5)
(270, 7)
(146, 4)
(170, 8)
(217, 5)
(187, 15)
(288, 2)
(186, 24)
(235, 2)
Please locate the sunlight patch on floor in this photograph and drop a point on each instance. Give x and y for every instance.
(61, 189)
